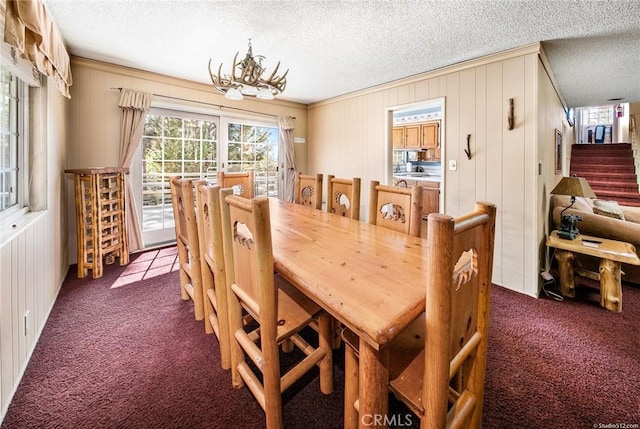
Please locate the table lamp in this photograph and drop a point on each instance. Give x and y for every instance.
(574, 187)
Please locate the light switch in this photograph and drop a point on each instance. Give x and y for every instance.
(453, 165)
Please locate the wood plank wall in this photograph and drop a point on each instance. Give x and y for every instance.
(347, 138)
(33, 261)
(26, 298)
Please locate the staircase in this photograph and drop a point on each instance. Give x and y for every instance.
(609, 169)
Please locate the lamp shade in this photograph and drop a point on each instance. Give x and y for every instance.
(575, 187)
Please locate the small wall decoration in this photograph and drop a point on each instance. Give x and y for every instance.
(558, 143)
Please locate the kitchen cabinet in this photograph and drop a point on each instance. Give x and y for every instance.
(417, 136)
(430, 200)
(398, 137)
(431, 155)
(430, 135)
(407, 136)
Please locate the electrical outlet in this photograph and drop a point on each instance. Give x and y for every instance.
(453, 165)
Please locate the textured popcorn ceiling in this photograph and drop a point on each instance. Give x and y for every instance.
(336, 47)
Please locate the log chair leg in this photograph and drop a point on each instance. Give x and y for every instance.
(567, 275)
(325, 335)
(610, 285)
(350, 388)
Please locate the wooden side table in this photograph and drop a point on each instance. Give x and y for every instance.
(611, 253)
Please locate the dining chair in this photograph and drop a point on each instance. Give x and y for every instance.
(395, 208)
(343, 196)
(214, 280)
(279, 309)
(309, 190)
(444, 387)
(184, 214)
(243, 184)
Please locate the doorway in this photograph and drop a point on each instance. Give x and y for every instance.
(416, 146)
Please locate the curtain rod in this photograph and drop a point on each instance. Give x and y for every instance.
(220, 106)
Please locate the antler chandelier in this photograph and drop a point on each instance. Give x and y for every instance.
(246, 78)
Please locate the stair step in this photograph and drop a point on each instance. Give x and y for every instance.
(609, 177)
(600, 147)
(593, 168)
(615, 195)
(613, 186)
(609, 169)
(602, 161)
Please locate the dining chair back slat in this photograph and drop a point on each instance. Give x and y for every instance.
(214, 279)
(309, 190)
(187, 240)
(243, 184)
(396, 208)
(343, 196)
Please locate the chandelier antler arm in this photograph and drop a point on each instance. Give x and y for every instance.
(217, 81)
(277, 82)
(233, 67)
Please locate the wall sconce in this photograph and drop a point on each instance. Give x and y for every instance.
(510, 120)
(619, 111)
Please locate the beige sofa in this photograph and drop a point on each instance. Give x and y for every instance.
(602, 226)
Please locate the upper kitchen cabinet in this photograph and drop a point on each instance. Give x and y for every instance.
(430, 135)
(407, 137)
(417, 136)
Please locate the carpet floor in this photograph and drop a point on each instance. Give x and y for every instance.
(124, 351)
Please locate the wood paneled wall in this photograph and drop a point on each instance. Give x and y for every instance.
(33, 260)
(349, 136)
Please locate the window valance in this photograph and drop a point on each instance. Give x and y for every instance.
(31, 30)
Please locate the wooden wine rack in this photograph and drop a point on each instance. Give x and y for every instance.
(100, 218)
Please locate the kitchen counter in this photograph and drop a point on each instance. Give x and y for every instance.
(418, 177)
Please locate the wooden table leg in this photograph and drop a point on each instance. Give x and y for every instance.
(373, 393)
(567, 275)
(610, 285)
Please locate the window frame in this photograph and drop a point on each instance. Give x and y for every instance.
(11, 214)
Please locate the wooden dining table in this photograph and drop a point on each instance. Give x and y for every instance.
(369, 278)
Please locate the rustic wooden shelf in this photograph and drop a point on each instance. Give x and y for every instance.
(100, 218)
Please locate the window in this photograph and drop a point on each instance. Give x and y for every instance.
(13, 153)
(252, 147)
(600, 115)
(174, 144)
(597, 124)
(197, 146)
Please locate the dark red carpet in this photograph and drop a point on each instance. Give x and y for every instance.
(609, 169)
(124, 351)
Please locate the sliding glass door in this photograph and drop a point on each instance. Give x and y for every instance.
(253, 147)
(197, 146)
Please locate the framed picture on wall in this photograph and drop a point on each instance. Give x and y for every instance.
(558, 142)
